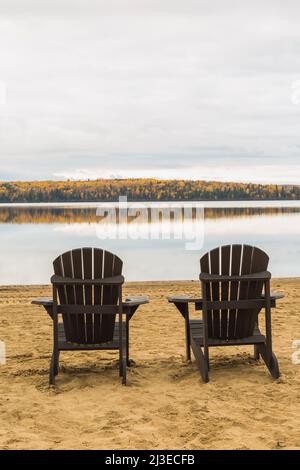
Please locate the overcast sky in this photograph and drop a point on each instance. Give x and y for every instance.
(169, 88)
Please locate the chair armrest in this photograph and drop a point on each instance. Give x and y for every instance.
(135, 301)
(263, 276)
(44, 301)
(109, 281)
(184, 299)
(176, 299)
(274, 296)
(129, 302)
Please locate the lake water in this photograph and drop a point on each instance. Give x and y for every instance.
(31, 236)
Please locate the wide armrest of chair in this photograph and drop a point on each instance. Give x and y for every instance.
(198, 301)
(109, 281)
(263, 276)
(136, 301)
(274, 295)
(44, 301)
(184, 299)
(129, 301)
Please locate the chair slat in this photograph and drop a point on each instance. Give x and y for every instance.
(87, 256)
(110, 293)
(204, 264)
(98, 274)
(108, 264)
(204, 267)
(215, 295)
(66, 258)
(58, 269)
(244, 317)
(79, 295)
(236, 251)
(260, 262)
(225, 270)
(62, 295)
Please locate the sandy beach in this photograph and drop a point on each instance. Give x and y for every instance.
(165, 405)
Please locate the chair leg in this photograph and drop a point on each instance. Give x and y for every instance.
(266, 348)
(256, 352)
(187, 336)
(52, 370)
(128, 362)
(270, 360)
(120, 363)
(201, 361)
(123, 361)
(274, 367)
(207, 358)
(124, 375)
(275, 372)
(56, 363)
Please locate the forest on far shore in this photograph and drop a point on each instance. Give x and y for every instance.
(107, 190)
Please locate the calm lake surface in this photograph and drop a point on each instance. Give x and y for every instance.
(31, 236)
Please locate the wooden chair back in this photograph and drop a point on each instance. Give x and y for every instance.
(232, 260)
(87, 264)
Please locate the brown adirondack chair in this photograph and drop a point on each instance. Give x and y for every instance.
(233, 278)
(87, 293)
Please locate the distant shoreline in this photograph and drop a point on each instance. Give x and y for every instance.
(242, 203)
(142, 190)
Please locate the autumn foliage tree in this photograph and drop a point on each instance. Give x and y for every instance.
(103, 190)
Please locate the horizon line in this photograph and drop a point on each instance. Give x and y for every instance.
(156, 179)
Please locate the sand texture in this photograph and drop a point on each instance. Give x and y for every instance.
(165, 405)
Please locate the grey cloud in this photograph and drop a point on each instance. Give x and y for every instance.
(130, 86)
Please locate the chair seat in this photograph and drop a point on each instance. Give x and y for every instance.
(197, 334)
(64, 345)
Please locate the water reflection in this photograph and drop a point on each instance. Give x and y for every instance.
(69, 215)
(31, 237)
